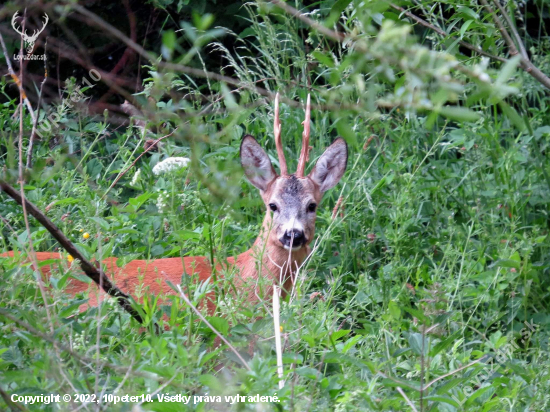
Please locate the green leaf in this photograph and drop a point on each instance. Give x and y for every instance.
(458, 113)
(506, 263)
(67, 201)
(93, 127)
(335, 12)
(310, 340)
(395, 312)
(512, 115)
(395, 381)
(344, 129)
(103, 224)
(67, 310)
(338, 335)
(444, 399)
(211, 381)
(465, 27)
(185, 234)
(444, 344)
(81, 278)
(309, 372)
(220, 324)
(477, 394)
(417, 314)
(292, 357)
(507, 71)
(415, 340)
(168, 44)
(323, 58)
(203, 22)
(137, 202)
(228, 97)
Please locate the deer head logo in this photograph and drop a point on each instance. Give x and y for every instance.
(29, 40)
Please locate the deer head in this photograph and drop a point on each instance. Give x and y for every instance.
(291, 200)
(29, 40)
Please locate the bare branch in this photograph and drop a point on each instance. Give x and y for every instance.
(312, 23)
(403, 394)
(90, 270)
(444, 34)
(151, 147)
(453, 372)
(13, 405)
(525, 64)
(513, 29)
(509, 42)
(218, 334)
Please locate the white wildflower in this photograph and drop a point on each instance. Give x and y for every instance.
(162, 200)
(170, 164)
(484, 77)
(135, 178)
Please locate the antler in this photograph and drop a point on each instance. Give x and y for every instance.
(304, 154)
(277, 133)
(14, 23)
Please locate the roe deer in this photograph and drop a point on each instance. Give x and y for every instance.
(282, 245)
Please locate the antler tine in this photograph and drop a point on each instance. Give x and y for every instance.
(304, 154)
(278, 142)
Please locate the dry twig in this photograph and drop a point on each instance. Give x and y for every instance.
(90, 270)
(525, 63)
(213, 329)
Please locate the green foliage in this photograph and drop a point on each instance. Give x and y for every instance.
(429, 286)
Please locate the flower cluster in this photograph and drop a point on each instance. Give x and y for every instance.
(163, 200)
(135, 178)
(170, 164)
(189, 200)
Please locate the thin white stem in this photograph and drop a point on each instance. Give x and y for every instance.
(277, 326)
(212, 328)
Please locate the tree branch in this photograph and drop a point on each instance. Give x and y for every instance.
(506, 36)
(453, 372)
(430, 26)
(310, 22)
(213, 329)
(513, 29)
(525, 63)
(90, 270)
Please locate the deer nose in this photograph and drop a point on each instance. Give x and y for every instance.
(293, 237)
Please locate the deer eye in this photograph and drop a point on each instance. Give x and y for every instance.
(273, 207)
(312, 207)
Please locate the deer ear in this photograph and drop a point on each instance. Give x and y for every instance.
(256, 164)
(331, 166)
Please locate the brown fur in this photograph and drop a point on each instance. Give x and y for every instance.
(267, 262)
(152, 275)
